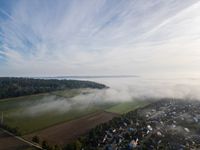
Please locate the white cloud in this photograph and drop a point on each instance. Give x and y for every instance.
(100, 37)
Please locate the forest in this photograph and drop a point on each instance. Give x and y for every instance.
(14, 87)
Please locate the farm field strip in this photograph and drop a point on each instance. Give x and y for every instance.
(125, 107)
(66, 126)
(70, 131)
(16, 114)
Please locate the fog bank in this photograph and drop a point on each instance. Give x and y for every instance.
(120, 90)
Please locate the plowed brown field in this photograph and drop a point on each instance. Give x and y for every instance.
(70, 131)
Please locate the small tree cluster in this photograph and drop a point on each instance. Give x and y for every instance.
(14, 131)
(46, 146)
(36, 139)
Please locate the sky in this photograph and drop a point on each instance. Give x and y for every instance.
(100, 37)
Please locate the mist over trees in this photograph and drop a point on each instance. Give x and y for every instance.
(14, 87)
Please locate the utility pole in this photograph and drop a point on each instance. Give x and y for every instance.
(1, 117)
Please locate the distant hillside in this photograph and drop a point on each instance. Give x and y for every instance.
(14, 87)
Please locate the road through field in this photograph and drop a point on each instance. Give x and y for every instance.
(9, 141)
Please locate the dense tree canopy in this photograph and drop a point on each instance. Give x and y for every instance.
(13, 87)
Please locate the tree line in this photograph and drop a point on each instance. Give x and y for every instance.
(14, 87)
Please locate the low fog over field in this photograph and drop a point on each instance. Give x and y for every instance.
(144, 87)
(120, 90)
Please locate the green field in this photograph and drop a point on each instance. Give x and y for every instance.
(16, 111)
(36, 112)
(125, 107)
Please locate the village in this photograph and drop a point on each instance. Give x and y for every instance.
(166, 124)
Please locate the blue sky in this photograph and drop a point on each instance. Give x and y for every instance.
(100, 37)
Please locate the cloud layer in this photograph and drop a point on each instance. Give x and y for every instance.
(47, 38)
